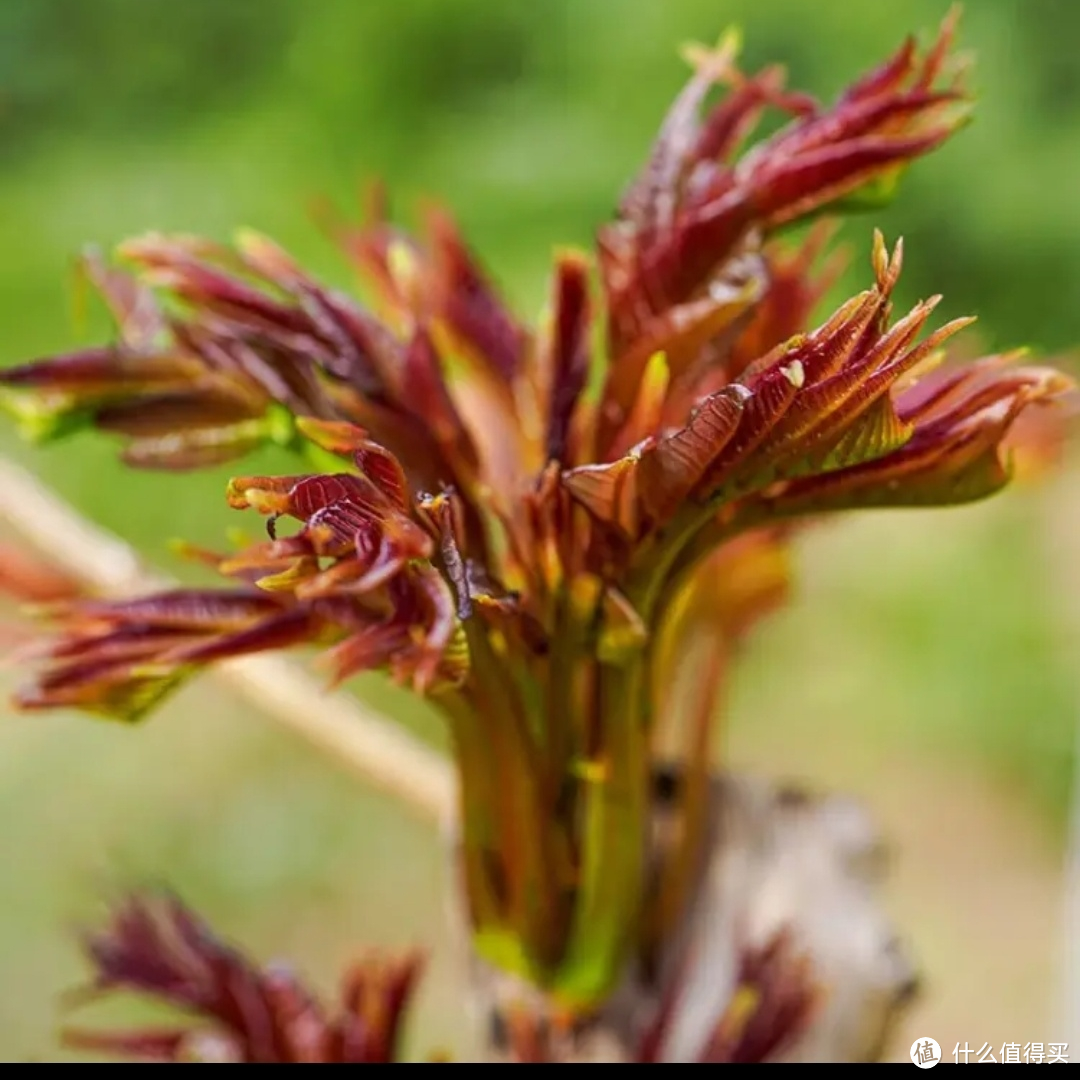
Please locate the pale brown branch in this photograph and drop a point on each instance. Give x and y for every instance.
(357, 735)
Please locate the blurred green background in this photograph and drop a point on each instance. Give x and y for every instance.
(928, 663)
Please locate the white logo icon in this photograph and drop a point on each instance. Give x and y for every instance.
(925, 1053)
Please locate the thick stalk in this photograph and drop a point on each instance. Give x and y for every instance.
(613, 839)
(477, 814)
(526, 844)
(564, 745)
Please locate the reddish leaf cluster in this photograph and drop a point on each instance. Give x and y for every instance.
(713, 400)
(355, 576)
(479, 522)
(684, 260)
(815, 425)
(241, 1013)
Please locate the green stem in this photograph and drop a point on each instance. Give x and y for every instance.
(695, 537)
(477, 808)
(528, 848)
(613, 839)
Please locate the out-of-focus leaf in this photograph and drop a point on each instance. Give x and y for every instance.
(239, 1012)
